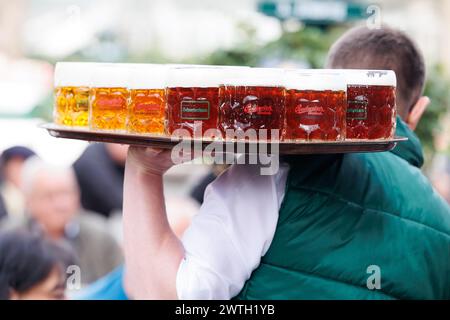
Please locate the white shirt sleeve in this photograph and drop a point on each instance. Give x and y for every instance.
(230, 234)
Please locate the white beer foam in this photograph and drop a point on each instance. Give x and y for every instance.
(255, 77)
(370, 77)
(73, 74)
(316, 80)
(110, 75)
(147, 76)
(199, 76)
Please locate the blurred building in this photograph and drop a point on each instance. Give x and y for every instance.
(12, 15)
(109, 30)
(426, 21)
(116, 29)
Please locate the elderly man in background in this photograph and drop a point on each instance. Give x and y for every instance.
(53, 208)
(180, 213)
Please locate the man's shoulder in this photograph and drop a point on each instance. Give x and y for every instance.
(10, 223)
(309, 169)
(93, 154)
(382, 182)
(93, 224)
(244, 183)
(248, 173)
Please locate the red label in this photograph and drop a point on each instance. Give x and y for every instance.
(110, 103)
(312, 111)
(251, 108)
(151, 108)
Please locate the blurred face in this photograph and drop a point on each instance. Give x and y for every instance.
(13, 171)
(51, 288)
(54, 201)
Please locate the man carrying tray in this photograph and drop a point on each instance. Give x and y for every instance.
(351, 226)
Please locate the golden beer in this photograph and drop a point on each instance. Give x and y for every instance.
(71, 94)
(109, 98)
(147, 101)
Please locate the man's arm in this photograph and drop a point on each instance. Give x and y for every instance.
(152, 251)
(221, 247)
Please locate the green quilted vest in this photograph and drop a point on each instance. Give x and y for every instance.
(342, 214)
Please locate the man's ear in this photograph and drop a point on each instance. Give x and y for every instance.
(416, 112)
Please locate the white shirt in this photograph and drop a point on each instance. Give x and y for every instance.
(230, 234)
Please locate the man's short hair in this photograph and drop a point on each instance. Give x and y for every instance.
(384, 48)
(35, 165)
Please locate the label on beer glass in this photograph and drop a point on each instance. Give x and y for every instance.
(357, 109)
(309, 109)
(195, 110)
(147, 108)
(81, 102)
(254, 109)
(110, 102)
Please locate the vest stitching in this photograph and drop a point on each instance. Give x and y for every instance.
(375, 210)
(327, 278)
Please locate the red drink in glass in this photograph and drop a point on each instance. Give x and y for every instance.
(371, 108)
(315, 106)
(253, 102)
(193, 99)
(188, 106)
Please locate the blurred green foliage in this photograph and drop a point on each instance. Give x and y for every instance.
(44, 110)
(437, 88)
(307, 46)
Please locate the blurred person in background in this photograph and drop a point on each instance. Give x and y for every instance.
(53, 208)
(99, 171)
(32, 267)
(11, 163)
(3, 212)
(111, 286)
